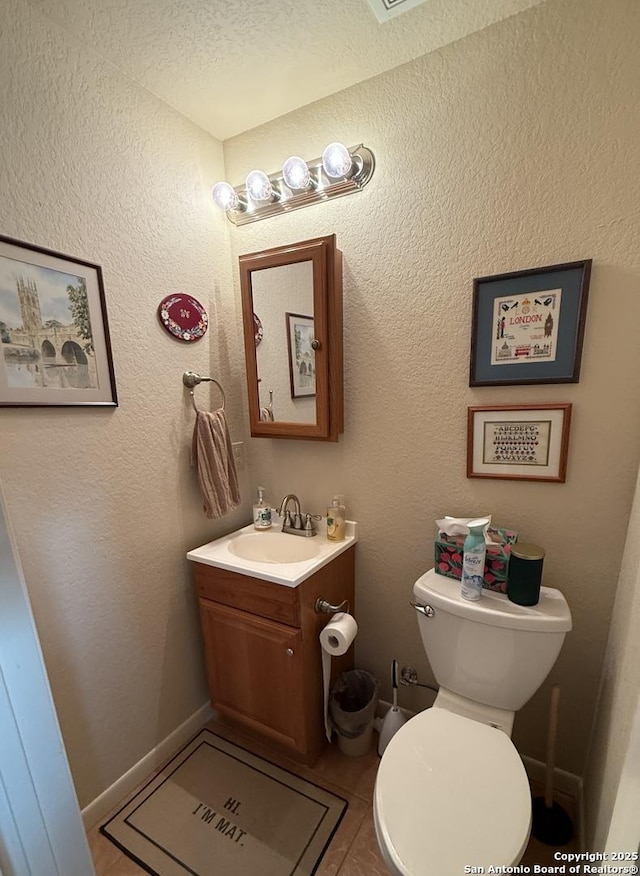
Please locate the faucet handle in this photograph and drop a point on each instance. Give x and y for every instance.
(287, 521)
(308, 524)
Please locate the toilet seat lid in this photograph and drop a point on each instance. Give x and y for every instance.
(451, 792)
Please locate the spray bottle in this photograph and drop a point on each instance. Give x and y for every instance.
(474, 552)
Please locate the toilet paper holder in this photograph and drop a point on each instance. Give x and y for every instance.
(323, 606)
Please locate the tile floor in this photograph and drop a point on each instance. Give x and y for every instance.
(354, 850)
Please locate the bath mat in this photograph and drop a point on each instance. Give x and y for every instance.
(218, 810)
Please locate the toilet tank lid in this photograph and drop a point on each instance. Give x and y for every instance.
(550, 615)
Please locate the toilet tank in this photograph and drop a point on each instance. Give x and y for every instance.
(492, 651)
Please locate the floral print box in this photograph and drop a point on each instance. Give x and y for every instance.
(496, 568)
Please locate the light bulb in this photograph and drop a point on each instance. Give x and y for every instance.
(225, 196)
(259, 186)
(336, 160)
(296, 173)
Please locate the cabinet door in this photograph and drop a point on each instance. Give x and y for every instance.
(298, 286)
(255, 672)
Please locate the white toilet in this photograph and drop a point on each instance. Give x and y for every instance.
(451, 790)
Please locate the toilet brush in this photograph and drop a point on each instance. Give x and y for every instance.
(394, 719)
(551, 824)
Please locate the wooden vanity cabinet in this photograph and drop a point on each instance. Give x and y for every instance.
(263, 654)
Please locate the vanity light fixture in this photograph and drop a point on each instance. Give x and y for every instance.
(336, 161)
(225, 196)
(339, 171)
(259, 186)
(296, 174)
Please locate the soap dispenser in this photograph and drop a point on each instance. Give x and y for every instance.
(336, 525)
(261, 511)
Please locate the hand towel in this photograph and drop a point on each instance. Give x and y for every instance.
(212, 454)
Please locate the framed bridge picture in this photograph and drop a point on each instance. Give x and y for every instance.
(528, 326)
(54, 336)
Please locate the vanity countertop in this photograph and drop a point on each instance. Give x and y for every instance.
(218, 553)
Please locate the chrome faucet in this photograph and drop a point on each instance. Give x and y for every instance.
(295, 525)
(289, 522)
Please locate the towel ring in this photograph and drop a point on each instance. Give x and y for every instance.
(191, 379)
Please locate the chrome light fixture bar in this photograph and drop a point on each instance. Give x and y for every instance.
(330, 176)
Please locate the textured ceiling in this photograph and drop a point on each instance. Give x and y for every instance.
(230, 65)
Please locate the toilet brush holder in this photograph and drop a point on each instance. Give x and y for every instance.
(550, 823)
(394, 719)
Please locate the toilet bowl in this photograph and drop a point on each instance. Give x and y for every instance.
(451, 790)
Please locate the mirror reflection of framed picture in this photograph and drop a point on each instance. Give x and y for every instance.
(302, 358)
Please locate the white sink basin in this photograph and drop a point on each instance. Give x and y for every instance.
(274, 555)
(274, 547)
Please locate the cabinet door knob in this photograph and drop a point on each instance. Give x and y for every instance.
(289, 652)
(315, 344)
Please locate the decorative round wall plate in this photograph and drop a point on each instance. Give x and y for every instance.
(258, 331)
(183, 317)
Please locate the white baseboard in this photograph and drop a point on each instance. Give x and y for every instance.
(563, 781)
(103, 804)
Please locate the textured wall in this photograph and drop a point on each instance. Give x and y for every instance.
(103, 502)
(619, 695)
(513, 148)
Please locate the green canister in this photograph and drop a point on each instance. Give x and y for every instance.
(525, 573)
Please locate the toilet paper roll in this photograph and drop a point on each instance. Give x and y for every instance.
(335, 639)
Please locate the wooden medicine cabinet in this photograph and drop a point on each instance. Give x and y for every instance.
(292, 318)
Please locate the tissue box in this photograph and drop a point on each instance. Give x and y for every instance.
(496, 569)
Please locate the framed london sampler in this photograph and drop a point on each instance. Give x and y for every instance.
(528, 326)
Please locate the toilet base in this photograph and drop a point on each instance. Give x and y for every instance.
(502, 719)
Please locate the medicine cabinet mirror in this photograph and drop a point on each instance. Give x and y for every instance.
(292, 317)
